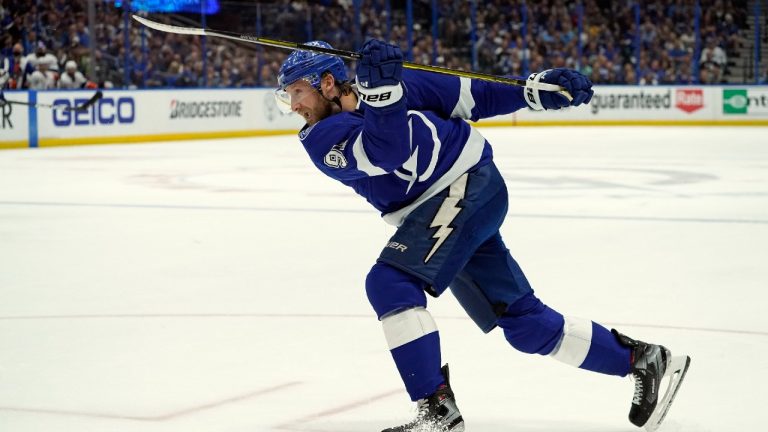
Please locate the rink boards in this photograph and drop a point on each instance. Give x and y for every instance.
(125, 116)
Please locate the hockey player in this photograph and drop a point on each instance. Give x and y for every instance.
(400, 139)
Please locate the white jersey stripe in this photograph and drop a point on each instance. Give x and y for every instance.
(466, 102)
(435, 141)
(407, 326)
(363, 163)
(574, 345)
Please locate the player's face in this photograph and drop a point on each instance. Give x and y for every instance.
(308, 102)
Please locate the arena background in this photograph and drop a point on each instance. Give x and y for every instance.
(694, 62)
(210, 279)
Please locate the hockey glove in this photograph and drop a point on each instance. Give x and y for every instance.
(379, 72)
(579, 86)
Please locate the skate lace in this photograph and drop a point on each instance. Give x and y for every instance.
(422, 408)
(638, 389)
(423, 421)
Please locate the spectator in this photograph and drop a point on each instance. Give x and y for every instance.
(684, 75)
(31, 62)
(71, 78)
(12, 67)
(42, 78)
(104, 68)
(710, 69)
(6, 48)
(714, 54)
(628, 74)
(514, 37)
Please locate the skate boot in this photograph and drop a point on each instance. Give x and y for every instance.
(437, 413)
(650, 364)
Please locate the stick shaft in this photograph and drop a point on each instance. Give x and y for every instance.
(349, 55)
(82, 107)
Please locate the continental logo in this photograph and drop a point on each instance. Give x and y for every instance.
(744, 102)
(205, 109)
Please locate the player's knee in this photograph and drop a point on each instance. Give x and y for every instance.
(531, 326)
(390, 290)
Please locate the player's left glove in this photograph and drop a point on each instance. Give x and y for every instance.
(579, 87)
(379, 72)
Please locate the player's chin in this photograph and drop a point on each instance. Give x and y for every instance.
(313, 118)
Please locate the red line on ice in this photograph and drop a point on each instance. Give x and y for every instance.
(291, 425)
(158, 418)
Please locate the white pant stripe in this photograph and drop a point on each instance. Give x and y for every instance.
(574, 345)
(407, 326)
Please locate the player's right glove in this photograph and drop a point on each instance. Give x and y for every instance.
(578, 85)
(379, 72)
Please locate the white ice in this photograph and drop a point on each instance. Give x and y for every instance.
(218, 286)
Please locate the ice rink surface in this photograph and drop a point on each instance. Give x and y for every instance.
(218, 286)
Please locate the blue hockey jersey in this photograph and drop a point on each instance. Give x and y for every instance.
(400, 156)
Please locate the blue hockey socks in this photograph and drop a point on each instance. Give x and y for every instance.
(415, 346)
(399, 301)
(532, 327)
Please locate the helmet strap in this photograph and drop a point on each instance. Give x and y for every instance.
(335, 99)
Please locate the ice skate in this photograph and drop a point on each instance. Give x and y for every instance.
(437, 413)
(650, 364)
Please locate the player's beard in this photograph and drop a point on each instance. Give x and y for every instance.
(325, 108)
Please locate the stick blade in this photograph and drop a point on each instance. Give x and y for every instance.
(169, 28)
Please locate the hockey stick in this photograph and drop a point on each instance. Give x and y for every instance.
(349, 55)
(83, 107)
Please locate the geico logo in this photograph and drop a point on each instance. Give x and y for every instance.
(107, 111)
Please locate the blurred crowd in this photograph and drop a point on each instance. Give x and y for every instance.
(600, 38)
(49, 44)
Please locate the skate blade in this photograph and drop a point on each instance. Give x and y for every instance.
(676, 370)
